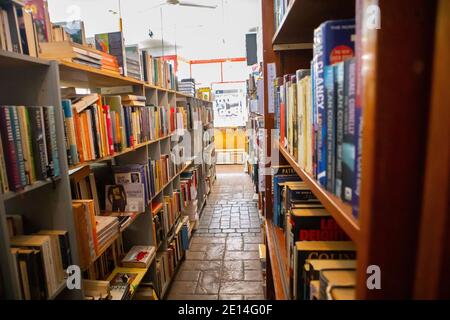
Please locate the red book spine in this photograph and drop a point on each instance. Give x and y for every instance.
(109, 129)
(9, 149)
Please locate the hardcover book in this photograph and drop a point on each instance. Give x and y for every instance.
(139, 257)
(333, 250)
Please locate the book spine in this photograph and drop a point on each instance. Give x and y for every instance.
(52, 146)
(348, 148)
(12, 167)
(109, 129)
(356, 189)
(71, 133)
(18, 144)
(339, 86)
(38, 143)
(24, 134)
(331, 125)
(320, 107)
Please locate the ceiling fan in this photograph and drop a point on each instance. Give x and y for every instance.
(188, 4)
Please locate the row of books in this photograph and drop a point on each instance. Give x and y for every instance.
(40, 260)
(317, 111)
(310, 231)
(168, 260)
(158, 72)
(17, 31)
(29, 149)
(98, 127)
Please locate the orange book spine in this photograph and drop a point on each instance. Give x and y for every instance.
(87, 134)
(78, 136)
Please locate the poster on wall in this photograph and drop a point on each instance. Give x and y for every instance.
(230, 105)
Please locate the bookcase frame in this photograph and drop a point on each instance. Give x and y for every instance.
(393, 223)
(33, 81)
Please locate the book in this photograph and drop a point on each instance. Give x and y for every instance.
(51, 143)
(348, 145)
(71, 140)
(75, 29)
(51, 266)
(339, 79)
(39, 145)
(64, 244)
(139, 257)
(86, 234)
(303, 250)
(337, 279)
(313, 268)
(10, 152)
(127, 197)
(125, 277)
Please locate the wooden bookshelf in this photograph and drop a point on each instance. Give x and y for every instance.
(340, 210)
(276, 248)
(40, 85)
(400, 186)
(303, 16)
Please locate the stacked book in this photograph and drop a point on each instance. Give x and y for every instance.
(310, 232)
(187, 87)
(189, 181)
(139, 257)
(40, 263)
(112, 44)
(84, 55)
(28, 148)
(107, 229)
(134, 65)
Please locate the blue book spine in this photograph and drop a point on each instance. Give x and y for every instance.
(72, 152)
(18, 144)
(314, 117)
(339, 88)
(348, 146)
(331, 125)
(319, 106)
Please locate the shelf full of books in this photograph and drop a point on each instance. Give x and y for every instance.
(319, 99)
(126, 157)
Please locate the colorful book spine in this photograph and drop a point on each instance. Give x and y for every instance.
(339, 87)
(72, 151)
(36, 115)
(11, 160)
(18, 144)
(348, 146)
(331, 126)
(52, 144)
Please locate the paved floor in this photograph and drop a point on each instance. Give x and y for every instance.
(223, 260)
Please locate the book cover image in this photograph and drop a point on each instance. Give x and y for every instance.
(125, 198)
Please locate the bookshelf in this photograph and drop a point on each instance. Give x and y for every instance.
(396, 226)
(42, 81)
(340, 210)
(45, 204)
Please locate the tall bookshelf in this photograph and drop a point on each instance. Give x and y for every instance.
(396, 226)
(48, 204)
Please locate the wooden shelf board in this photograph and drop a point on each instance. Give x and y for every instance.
(303, 16)
(341, 211)
(38, 184)
(278, 260)
(12, 59)
(87, 163)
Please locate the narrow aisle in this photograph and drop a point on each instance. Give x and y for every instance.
(223, 260)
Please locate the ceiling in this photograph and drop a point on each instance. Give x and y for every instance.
(197, 33)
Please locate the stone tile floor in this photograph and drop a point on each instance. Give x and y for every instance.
(223, 260)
